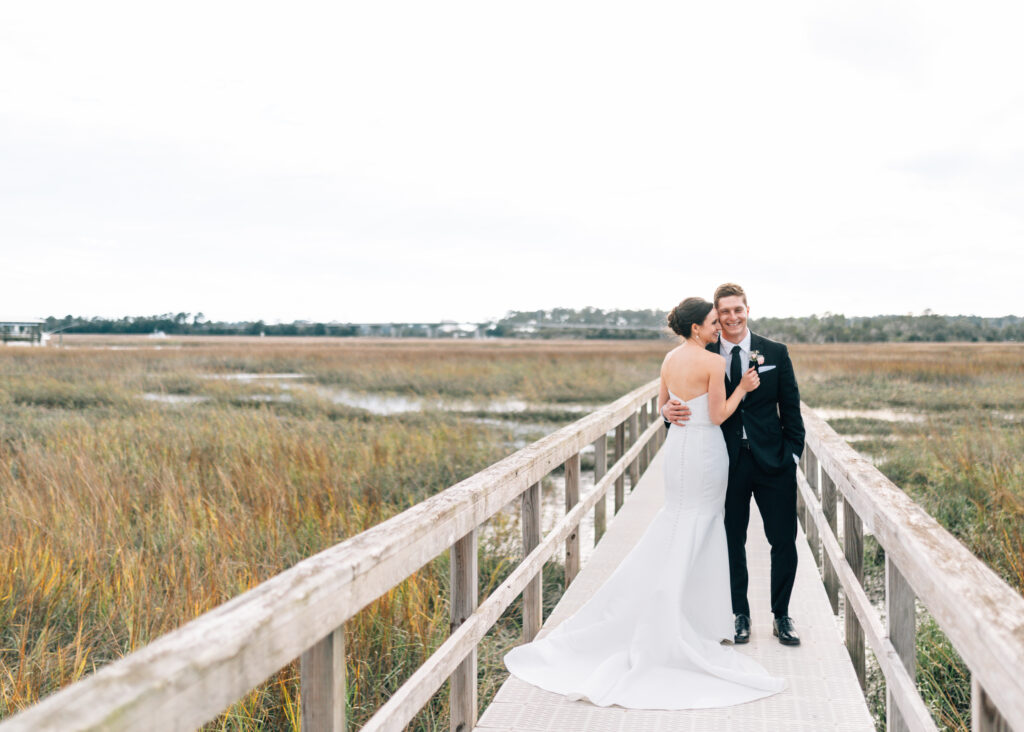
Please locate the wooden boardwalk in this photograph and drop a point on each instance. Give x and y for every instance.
(822, 692)
(188, 677)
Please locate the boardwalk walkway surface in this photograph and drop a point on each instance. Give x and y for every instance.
(822, 693)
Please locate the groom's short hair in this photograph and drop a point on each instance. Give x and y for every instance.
(728, 290)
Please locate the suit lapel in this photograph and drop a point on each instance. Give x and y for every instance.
(756, 343)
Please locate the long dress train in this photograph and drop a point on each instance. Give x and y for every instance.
(650, 637)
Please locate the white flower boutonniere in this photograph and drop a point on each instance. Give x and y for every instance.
(756, 359)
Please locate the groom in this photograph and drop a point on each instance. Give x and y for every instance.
(765, 438)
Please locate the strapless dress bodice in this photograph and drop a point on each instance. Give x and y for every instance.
(700, 416)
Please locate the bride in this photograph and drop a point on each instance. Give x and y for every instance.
(652, 636)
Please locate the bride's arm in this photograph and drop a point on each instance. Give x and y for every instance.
(663, 396)
(720, 408)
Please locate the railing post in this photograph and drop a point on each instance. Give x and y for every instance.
(322, 674)
(801, 509)
(828, 507)
(634, 467)
(899, 606)
(572, 497)
(810, 527)
(462, 701)
(853, 548)
(620, 450)
(653, 444)
(600, 468)
(643, 423)
(984, 715)
(532, 593)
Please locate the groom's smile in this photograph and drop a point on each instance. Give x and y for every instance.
(732, 316)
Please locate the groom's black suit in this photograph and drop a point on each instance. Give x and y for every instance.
(763, 466)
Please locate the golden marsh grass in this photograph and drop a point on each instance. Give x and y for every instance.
(126, 518)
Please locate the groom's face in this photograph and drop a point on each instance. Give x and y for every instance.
(732, 315)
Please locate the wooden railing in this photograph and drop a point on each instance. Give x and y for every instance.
(188, 677)
(982, 616)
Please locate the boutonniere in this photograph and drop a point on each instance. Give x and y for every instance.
(756, 359)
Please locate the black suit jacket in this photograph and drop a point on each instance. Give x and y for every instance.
(771, 413)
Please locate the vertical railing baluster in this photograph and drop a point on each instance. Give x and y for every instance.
(464, 583)
(653, 444)
(853, 548)
(322, 679)
(572, 497)
(642, 423)
(984, 715)
(600, 468)
(533, 592)
(620, 450)
(801, 509)
(899, 606)
(634, 467)
(828, 507)
(810, 527)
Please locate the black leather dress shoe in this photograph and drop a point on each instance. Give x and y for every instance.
(742, 629)
(783, 630)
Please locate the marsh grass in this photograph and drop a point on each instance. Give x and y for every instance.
(964, 464)
(125, 519)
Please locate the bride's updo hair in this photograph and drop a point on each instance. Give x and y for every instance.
(691, 311)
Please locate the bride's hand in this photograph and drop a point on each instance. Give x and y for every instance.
(750, 380)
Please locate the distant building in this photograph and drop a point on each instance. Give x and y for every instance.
(22, 331)
(450, 329)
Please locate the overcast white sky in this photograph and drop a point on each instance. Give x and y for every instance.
(369, 161)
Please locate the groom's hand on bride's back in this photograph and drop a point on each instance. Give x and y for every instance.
(675, 411)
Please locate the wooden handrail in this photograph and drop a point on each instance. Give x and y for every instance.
(982, 616)
(189, 676)
(414, 693)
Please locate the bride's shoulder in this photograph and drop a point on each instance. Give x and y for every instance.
(710, 357)
(668, 356)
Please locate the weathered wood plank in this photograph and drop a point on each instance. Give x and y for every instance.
(984, 715)
(898, 681)
(533, 592)
(600, 468)
(424, 682)
(981, 615)
(572, 497)
(187, 677)
(620, 450)
(810, 528)
(801, 509)
(902, 619)
(853, 551)
(464, 596)
(829, 508)
(643, 422)
(634, 432)
(322, 674)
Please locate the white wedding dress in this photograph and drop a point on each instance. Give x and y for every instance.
(650, 637)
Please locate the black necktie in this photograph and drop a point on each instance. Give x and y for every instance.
(735, 368)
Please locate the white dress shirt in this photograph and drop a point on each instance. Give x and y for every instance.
(725, 348)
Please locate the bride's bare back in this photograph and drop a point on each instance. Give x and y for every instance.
(689, 372)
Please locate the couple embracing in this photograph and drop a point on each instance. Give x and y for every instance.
(658, 633)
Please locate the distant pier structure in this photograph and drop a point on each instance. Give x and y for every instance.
(21, 331)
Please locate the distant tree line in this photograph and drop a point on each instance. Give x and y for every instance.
(587, 323)
(827, 328)
(189, 324)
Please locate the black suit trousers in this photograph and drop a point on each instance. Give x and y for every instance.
(775, 494)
